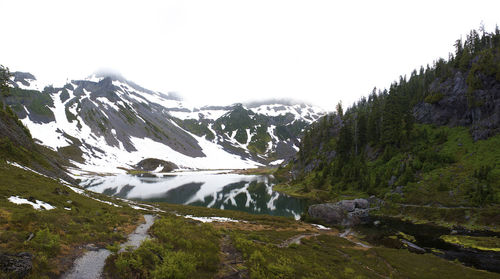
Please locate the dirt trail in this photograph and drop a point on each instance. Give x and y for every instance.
(91, 264)
(296, 239)
(232, 264)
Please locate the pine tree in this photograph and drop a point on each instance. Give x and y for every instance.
(340, 111)
(392, 116)
(4, 85)
(345, 141)
(362, 131)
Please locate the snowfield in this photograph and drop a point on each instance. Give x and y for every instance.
(38, 205)
(108, 155)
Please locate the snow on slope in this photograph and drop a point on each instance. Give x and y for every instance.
(211, 114)
(307, 113)
(36, 205)
(302, 111)
(50, 134)
(104, 152)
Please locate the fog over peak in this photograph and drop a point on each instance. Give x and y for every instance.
(226, 51)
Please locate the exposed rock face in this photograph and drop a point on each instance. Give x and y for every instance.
(345, 213)
(479, 109)
(300, 166)
(93, 120)
(152, 164)
(17, 265)
(21, 77)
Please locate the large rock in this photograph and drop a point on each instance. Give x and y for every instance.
(345, 213)
(362, 203)
(479, 109)
(18, 265)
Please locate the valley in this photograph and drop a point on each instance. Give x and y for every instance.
(101, 172)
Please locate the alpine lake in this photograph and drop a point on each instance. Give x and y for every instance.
(215, 189)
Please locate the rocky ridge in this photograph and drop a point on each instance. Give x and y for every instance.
(106, 121)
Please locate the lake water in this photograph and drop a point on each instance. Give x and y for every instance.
(249, 193)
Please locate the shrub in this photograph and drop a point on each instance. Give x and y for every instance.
(175, 265)
(434, 98)
(46, 242)
(179, 250)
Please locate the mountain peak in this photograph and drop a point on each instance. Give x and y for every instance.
(106, 73)
(274, 101)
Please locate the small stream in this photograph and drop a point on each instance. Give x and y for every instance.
(427, 236)
(91, 264)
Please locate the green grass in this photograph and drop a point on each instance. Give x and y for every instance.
(329, 256)
(180, 249)
(57, 232)
(276, 222)
(193, 250)
(257, 171)
(476, 242)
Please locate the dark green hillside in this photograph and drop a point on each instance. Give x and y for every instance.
(16, 143)
(199, 128)
(429, 140)
(36, 102)
(241, 119)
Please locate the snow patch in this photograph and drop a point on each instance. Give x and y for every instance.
(38, 205)
(277, 162)
(321, 227)
(211, 219)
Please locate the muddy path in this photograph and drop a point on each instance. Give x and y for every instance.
(91, 263)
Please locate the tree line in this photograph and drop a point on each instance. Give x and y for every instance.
(381, 125)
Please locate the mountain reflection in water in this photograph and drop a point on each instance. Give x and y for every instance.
(249, 193)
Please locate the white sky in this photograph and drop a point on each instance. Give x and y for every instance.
(220, 52)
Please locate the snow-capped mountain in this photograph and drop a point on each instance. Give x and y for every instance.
(105, 121)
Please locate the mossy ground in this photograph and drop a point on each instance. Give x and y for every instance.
(257, 171)
(321, 254)
(88, 221)
(476, 242)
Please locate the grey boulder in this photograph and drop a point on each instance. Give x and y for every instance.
(344, 213)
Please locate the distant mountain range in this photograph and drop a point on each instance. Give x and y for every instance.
(105, 121)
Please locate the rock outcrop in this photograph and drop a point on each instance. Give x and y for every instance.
(479, 109)
(17, 265)
(152, 164)
(346, 213)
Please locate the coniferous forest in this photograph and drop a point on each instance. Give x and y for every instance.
(432, 133)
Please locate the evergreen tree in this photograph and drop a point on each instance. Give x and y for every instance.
(391, 121)
(340, 110)
(4, 85)
(345, 141)
(362, 131)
